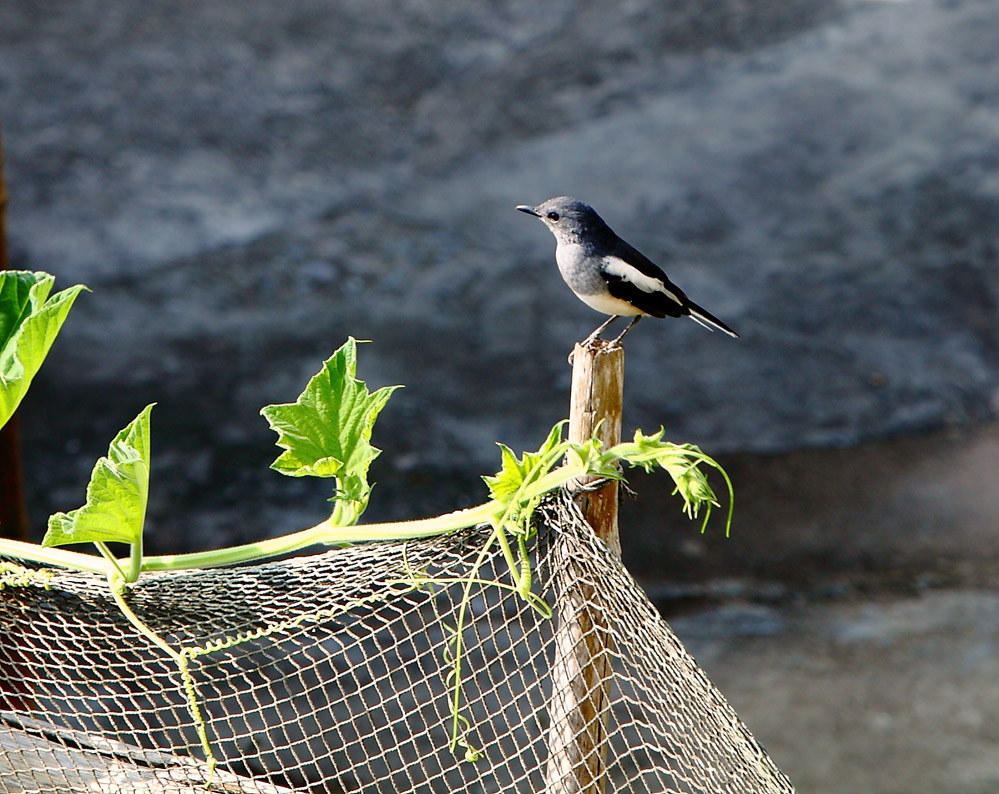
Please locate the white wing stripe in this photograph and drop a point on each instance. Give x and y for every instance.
(618, 267)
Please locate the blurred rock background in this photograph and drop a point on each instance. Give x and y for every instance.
(243, 184)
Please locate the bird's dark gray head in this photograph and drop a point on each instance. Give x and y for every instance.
(567, 218)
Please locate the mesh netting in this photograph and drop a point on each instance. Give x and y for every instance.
(331, 673)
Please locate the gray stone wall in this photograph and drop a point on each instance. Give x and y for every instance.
(243, 184)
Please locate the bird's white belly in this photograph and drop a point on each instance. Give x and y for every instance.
(608, 304)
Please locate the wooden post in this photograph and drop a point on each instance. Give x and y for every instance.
(13, 509)
(582, 668)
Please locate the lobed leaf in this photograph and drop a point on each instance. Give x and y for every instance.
(117, 493)
(326, 432)
(514, 472)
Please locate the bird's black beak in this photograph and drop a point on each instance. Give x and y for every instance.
(528, 210)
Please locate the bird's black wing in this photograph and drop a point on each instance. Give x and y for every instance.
(633, 277)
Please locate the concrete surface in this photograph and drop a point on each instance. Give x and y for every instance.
(245, 183)
(890, 695)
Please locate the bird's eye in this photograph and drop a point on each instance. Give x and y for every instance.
(553, 216)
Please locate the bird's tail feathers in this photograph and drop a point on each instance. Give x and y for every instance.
(708, 320)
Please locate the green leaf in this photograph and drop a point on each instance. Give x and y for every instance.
(514, 473)
(519, 483)
(116, 495)
(29, 323)
(326, 432)
(682, 463)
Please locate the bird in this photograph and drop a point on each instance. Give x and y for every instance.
(608, 274)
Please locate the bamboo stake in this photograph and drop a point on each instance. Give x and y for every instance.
(582, 668)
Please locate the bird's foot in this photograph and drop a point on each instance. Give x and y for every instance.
(616, 342)
(592, 342)
(596, 334)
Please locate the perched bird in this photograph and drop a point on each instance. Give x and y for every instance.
(609, 275)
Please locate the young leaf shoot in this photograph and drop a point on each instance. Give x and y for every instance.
(326, 432)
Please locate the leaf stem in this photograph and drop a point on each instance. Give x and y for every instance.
(508, 555)
(135, 560)
(102, 547)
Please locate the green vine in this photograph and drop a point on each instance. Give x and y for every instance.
(453, 651)
(326, 432)
(188, 685)
(188, 653)
(13, 575)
